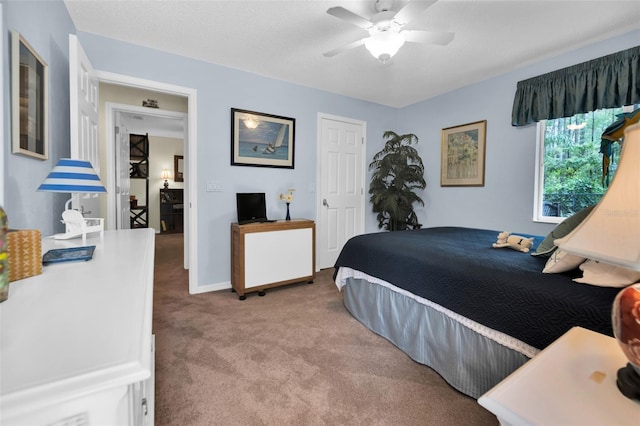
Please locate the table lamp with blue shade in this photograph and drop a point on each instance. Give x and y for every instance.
(74, 177)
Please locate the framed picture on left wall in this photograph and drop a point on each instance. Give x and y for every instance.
(262, 140)
(29, 100)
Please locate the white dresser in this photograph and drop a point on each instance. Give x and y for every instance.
(76, 341)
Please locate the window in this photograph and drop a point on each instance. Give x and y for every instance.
(569, 163)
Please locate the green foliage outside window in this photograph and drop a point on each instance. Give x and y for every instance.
(573, 162)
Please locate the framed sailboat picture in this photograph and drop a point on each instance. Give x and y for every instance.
(262, 140)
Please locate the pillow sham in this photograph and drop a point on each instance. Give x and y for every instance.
(561, 261)
(605, 275)
(547, 246)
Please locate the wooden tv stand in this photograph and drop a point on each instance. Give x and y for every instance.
(266, 255)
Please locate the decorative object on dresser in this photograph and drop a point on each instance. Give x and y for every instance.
(463, 154)
(262, 140)
(69, 254)
(171, 210)
(609, 237)
(25, 255)
(271, 254)
(75, 177)
(30, 100)
(288, 198)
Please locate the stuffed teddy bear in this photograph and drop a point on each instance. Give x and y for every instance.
(516, 242)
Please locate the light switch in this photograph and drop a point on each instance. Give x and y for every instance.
(214, 186)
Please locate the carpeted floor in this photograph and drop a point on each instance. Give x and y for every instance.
(292, 357)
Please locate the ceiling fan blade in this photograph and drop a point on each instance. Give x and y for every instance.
(433, 37)
(411, 11)
(344, 48)
(350, 17)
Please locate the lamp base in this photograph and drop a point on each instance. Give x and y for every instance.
(629, 382)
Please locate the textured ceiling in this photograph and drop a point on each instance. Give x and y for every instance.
(286, 39)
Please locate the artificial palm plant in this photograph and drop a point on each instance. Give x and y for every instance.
(398, 171)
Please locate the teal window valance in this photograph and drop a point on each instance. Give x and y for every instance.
(606, 82)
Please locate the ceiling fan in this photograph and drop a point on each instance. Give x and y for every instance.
(387, 29)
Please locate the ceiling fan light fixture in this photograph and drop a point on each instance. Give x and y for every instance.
(384, 44)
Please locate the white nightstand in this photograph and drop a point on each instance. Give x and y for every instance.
(571, 382)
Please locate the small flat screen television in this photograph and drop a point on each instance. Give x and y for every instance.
(251, 207)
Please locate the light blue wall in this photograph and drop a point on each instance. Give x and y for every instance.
(506, 200)
(46, 27)
(218, 90)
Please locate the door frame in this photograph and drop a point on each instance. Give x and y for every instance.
(319, 170)
(111, 109)
(84, 121)
(190, 173)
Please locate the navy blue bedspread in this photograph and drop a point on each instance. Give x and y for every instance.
(502, 289)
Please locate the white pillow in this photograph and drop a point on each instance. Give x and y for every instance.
(605, 275)
(561, 261)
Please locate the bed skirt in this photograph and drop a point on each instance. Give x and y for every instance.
(470, 357)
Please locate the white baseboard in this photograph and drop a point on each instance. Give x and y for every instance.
(226, 285)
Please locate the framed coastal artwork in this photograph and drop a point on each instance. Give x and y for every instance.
(463, 154)
(262, 140)
(29, 100)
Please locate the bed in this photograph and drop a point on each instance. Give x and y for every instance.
(451, 301)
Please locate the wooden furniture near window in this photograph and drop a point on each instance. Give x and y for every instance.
(572, 381)
(77, 344)
(139, 176)
(171, 210)
(266, 255)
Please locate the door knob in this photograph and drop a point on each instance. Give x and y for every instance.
(324, 202)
